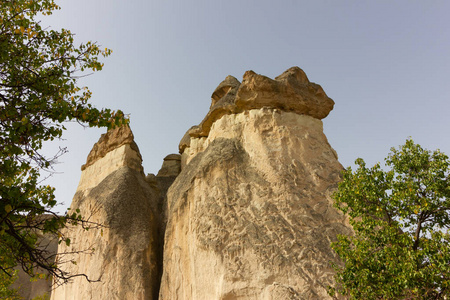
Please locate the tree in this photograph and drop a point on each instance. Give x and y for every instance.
(401, 243)
(39, 68)
(6, 292)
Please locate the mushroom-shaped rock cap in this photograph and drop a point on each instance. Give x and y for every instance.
(291, 91)
(172, 157)
(186, 139)
(112, 139)
(171, 166)
(222, 103)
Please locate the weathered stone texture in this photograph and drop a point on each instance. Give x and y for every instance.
(124, 257)
(248, 212)
(250, 215)
(171, 166)
(291, 91)
(111, 141)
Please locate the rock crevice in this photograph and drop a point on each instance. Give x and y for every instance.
(243, 212)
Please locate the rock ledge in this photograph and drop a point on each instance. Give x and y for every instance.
(291, 91)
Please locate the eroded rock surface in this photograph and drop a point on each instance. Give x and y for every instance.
(248, 211)
(291, 91)
(122, 254)
(111, 141)
(250, 216)
(171, 166)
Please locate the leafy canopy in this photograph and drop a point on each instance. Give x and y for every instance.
(401, 243)
(39, 68)
(6, 292)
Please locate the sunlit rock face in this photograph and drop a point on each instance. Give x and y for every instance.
(250, 215)
(121, 256)
(244, 212)
(291, 91)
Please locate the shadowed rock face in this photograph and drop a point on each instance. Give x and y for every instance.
(248, 217)
(111, 141)
(113, 192)
(171, 166)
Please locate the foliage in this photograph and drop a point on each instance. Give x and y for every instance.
(6, 292)
(39, 68)
(401, 243)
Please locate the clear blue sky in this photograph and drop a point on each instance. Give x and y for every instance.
(386, 64)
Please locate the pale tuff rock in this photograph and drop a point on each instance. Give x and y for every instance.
(110, 141)
(171, 166)
(123, 254)
(222, 103)
(250, 215)
(170, 169)
(246, 210)
(116, 148)
(291, 91)
(123, 156)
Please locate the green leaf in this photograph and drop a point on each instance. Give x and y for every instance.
(40, 68)
(8, 208)
(397, 250)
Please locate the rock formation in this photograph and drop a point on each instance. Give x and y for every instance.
(243, 213)
(121, 256)
(250, 215)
